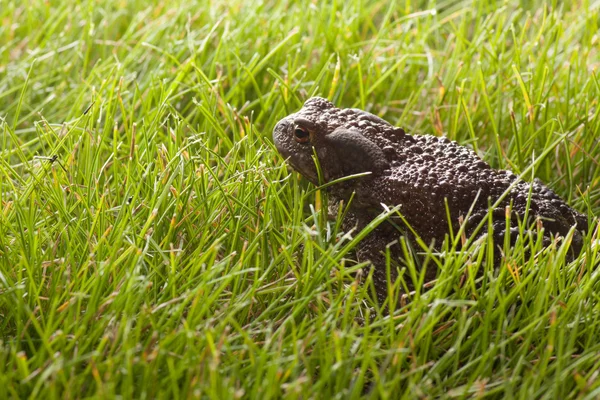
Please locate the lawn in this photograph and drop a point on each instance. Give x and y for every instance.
(153, 243)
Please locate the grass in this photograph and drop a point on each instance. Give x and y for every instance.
(154, 244)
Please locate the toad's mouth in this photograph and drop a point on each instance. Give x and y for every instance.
(310, 175)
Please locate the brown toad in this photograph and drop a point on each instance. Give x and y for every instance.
(419, 174)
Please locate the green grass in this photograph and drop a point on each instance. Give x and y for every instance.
(154, 244)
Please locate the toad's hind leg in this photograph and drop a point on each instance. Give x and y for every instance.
(511, 228)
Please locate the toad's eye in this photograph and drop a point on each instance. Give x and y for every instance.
(301, 135)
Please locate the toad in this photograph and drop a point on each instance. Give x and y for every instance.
(436, 184)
